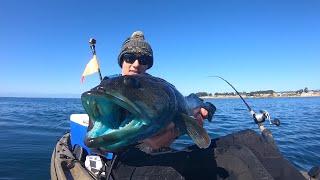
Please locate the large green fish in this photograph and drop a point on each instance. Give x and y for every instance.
(127, 109)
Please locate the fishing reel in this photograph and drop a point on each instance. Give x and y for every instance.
(263, 116)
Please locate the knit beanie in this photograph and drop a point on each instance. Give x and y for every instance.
(136, 44)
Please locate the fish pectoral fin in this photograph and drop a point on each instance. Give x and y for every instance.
(197, 133)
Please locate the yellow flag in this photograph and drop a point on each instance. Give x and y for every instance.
(91, 67)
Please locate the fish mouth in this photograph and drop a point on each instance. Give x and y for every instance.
(116, 119)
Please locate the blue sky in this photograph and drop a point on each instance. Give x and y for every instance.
(255, 45)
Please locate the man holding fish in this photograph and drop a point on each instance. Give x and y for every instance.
(137, 117)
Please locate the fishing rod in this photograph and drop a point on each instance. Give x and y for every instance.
(314, 172)
(258, 118)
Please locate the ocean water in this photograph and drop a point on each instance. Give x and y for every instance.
(30, 128)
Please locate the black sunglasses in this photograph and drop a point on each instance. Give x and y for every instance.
(131, 58)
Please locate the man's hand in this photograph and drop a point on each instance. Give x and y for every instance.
(163, 139)
(200, 114)
(166, 137)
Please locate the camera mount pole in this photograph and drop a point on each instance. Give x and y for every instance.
(93, 48)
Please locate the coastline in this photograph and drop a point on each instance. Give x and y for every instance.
(275, 95)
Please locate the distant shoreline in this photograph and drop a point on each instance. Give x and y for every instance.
(302, 95)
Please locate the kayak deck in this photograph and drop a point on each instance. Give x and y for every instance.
(63, 163)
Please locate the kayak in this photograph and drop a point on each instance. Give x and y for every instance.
(71, 159)
(64, 164)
